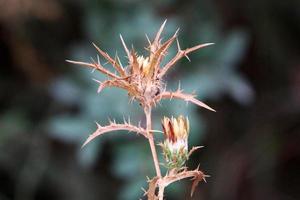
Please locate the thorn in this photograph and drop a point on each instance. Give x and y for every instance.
(185, 55)
(119, 61)
(70, 61)
(159, 144)
(178, 45)
(124, 45)
(159, 103)
(100, 85)
(98, 60)
(187, 102)
(148, 179)
(129, 120)
(145, 192)
(80, 63)
(97, 81)
(176, 32)
(92, 59)
(165, 22)
(95, 45)
(204, 178)
(156, 131)
(115, 59)
(156, 39)
(93, 70)
(171, 96)
(148, 39)
(98, 125)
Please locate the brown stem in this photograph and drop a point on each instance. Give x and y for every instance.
(161, 192)
(147, 111)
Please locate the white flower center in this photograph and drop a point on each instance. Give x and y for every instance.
(176, 146)
(143, 63)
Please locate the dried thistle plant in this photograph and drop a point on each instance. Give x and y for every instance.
(142, 78)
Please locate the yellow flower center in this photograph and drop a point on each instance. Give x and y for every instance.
(144, 64)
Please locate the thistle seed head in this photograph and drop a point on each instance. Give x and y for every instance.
(143, 76)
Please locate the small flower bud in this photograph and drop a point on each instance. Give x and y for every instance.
(175, 146)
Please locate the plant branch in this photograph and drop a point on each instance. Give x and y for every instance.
(113, 83)
(113, 62)
(96, 66)
(174, 176)
(116, 127)
(180, 54)
(179, 95)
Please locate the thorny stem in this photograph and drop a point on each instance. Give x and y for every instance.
(161, 187)
(147, 110)
(161, 190)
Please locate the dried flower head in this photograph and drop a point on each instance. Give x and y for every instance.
(175, 146)
(143, 76)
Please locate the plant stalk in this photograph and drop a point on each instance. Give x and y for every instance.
(148, 111)
(161, 190)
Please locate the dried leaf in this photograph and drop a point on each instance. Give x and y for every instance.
(135, 69)
(114, 83)
(187, 97)
(194, 149)
(155, 43)
(115, 127)
(113, 62)
(160, 53)
(174, 176)
(126, 49)
(96, 66)
(197, 178)
(180, 54)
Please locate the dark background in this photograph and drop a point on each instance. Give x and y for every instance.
(251, 76)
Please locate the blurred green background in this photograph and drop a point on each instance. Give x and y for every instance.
(251, 76)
